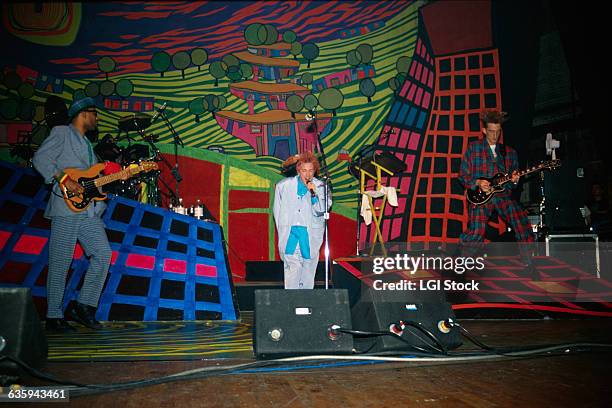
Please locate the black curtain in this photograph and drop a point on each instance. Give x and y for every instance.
(584, 30)
(516, 30)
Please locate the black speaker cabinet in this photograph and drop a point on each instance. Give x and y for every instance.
(379, 310)
(298, 322)
(21, 333)
(566, 193)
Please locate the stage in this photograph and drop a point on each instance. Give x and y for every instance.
(131, 351)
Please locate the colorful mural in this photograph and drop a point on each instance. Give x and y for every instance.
(243, 79)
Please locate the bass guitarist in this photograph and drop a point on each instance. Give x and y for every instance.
(67, 147)
(484, 159)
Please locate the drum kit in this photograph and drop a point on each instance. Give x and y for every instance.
(143, 188)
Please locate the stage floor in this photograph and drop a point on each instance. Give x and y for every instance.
(135, 351)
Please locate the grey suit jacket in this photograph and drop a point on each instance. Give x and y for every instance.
(65, 147)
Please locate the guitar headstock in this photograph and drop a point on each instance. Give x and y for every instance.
(148, 166)
(551, 164)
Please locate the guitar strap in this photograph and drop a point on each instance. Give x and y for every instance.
(89, 151)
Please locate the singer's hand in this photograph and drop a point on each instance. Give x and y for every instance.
(311, 186)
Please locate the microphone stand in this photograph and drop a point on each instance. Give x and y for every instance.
(326, 194)
(177, 141)
(158, 157)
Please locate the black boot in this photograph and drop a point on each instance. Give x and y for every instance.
(85, 315)
(58, 326)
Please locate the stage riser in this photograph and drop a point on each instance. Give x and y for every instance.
(165, 266)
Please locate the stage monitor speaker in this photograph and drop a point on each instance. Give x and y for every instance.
(298, 322)
(21, 334)
(380, 310)
(566, 193)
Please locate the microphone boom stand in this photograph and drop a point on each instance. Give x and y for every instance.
(325, 177)
(177, 140)
(157, 156)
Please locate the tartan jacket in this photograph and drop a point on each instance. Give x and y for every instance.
(478, 162)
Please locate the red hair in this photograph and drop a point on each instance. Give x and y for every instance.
(309, 157)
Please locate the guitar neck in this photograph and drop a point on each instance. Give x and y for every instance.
(129, 172)
(521, 173)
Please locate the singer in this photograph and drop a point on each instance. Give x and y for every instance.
(299, 211)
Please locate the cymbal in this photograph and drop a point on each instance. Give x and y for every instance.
(137, 121)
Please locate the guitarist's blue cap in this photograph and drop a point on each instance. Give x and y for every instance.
(79, 105)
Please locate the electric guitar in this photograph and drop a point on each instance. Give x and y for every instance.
(478, 197)
(91, 181)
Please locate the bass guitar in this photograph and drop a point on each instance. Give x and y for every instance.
(91, 181)
(477, 196)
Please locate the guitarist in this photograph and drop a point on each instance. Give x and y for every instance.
(68, 147)
(484, 159)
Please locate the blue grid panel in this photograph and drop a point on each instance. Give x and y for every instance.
(21, 226)
(154, 301)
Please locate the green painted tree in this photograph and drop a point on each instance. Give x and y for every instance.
(353, 58)
(331, 99)
(124, 88)
(295, 103)
(367, 88)
(396, 82)
(246, 70)
(271, 34)
(222, 102)
(403, 65)
(218, 69)
(296, 49)
(199, 56)
(310, 51)
(107, 88)
(252, 34)
(160, 62)
(196, 107)
(310, 102)
(289, 36)
(260, 34)
(366, 52)
(306, 79)
(92, 89)
(213, 102)
(393, 84)
(233, 67)
(107, 65)
(181, 61)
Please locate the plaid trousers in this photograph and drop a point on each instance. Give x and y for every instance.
(507, 209)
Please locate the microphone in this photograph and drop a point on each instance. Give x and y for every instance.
(313, 193)
(159, 112)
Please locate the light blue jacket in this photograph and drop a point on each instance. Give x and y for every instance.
(286, 205)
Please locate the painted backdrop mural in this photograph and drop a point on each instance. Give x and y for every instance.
(244, 85)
